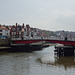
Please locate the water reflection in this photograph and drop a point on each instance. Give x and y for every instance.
(51, 59)
(67, 62)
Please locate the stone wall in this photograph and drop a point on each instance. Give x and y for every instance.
(4, 41)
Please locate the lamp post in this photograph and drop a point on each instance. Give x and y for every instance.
(65, 36)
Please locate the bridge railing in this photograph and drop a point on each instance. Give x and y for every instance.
(49, 38)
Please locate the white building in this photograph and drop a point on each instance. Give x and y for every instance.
(4, 32)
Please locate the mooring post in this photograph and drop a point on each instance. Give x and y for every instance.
(65, 38)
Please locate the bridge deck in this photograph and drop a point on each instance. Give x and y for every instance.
(38, 40)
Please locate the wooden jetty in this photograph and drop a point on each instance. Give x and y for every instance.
(65, 50)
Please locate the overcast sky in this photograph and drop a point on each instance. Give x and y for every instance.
(44, 14)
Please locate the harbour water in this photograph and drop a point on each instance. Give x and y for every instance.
(42, 62)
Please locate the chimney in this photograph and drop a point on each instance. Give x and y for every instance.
(16, 24)
(23, 25)
(27, 27)
(16, 28)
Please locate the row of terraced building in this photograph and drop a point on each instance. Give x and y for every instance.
(19, 32)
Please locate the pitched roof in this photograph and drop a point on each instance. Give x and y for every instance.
(3, 28)
(9, 28)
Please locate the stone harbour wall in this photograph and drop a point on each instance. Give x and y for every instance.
(4, 41)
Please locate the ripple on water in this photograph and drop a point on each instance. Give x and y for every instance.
(46, 59)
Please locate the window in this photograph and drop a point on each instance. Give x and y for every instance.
(7, 33)
(0, 30)
(0, 33)
(13, 29)
(17, 29)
